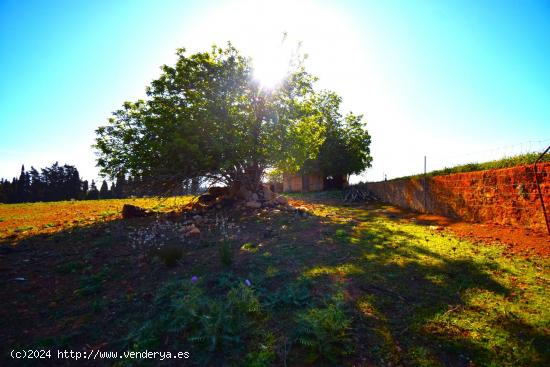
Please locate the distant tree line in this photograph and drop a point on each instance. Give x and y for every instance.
(58, 182)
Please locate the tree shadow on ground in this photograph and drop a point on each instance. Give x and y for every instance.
(414, 304)
(411, 293)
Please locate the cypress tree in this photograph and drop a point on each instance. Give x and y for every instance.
(104, 191)
(93, 194)
(23, 187)
(120, 190)
(84, 190)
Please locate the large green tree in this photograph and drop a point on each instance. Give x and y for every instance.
(207, 116)
(346, 147)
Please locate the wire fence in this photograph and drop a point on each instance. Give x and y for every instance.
(510, 196)
(410, 165)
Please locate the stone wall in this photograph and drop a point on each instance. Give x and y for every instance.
(504, 196)
(299, 183)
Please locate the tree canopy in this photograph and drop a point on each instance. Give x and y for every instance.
(207, 116)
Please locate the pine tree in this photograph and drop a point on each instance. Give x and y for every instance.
(4, 188)
(93, 194)
(104, 191)
(36, 185)
(120, 190)
(72, 182)
(84, 189)
(23, 187)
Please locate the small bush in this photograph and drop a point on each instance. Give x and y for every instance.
(324, 332)
(211, 325)
(170, 255)
(297, 294)
(249, 247)
(226, 256)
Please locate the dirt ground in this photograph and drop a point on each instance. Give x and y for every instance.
(403, 286)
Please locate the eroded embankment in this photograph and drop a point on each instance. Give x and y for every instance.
(506, 196)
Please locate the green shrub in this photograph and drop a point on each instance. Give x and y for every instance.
(226, 256)
(324, 332)
(170, 254)
(297, 294)
(213, 326)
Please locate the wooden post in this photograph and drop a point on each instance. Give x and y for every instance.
(425, 188)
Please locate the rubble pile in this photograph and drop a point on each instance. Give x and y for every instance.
(209, 211)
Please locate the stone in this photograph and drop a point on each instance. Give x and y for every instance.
(287, 207)
(269, 233)
(216, 191)
(253, 204)
(244, 194)
(254, 197)
(267, 193)
(225, 202)
(194, 232)
(281, 200)
(131, 211)
(206, 199)
(186, 229)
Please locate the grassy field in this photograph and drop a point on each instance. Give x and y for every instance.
(18, 221)
(340, 285)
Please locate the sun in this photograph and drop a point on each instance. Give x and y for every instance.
(271, 66)
(269, 32)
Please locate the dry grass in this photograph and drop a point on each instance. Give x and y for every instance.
(19, 221)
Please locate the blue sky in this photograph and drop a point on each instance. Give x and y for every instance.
(458, 81)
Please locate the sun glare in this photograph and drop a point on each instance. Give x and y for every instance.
(269, 31)
(270, 68)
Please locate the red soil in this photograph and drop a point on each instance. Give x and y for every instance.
(519, 241)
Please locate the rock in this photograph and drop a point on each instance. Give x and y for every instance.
(301, 211)
(254, 197)
(194, 232)
(281, 200)
(269, 233)
(219, 191)
(253, 204)
(225, 202)
(287, 207)
(131, 211)
(206, 199)
(267, 193)
(244, 194)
